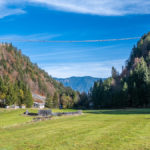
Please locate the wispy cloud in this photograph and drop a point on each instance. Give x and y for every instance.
(6, 10)
(100, 7)
(40, 36)
(94, 7)
(97, 69)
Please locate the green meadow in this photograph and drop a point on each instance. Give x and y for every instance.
(124, 129)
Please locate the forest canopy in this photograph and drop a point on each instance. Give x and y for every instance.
(131, 87)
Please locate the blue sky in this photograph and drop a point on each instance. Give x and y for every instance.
(75, 20)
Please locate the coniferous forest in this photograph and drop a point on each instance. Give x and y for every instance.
(130, 88)
(19, 78)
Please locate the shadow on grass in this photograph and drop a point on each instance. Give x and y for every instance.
(31, 114)
(119, 111)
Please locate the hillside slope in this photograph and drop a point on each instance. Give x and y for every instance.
(81, 84)
(131, 87)
(17, 67)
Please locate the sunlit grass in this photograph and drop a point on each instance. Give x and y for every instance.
(95, 130)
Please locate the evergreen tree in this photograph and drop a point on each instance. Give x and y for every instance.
(28, 98)
(114, 73)
(49, 102)
(56, 100)
(124, 95)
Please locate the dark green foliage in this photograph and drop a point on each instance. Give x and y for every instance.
(14, 93)
(49, 102)
(83, 102)
(130, 88)
(25, 76)
(114, 73)
(139, 84)
(28, 101)
(55, 100)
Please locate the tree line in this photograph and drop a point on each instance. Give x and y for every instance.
(130, 88)
(63, 99)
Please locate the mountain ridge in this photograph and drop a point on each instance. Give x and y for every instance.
(81, 84)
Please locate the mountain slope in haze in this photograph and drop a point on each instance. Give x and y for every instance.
(18, 67)
(81, 84)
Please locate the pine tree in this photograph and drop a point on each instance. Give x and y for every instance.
(56, 100)
(114, 73)
(28, 98)
(49, 102)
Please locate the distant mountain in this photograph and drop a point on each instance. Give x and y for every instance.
(81, 84)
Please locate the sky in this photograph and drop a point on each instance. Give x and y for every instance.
(74, 20)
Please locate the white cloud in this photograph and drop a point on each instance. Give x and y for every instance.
(5, 10)
(95, 69)
(95, 7)
(100, 7)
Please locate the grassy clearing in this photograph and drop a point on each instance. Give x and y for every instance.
(95, 130)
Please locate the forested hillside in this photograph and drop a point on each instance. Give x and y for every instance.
(131, 88)
(81, 84)
(19, 77)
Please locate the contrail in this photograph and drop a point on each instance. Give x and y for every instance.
(82, 41)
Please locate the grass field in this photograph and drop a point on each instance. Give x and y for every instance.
(95, 130)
